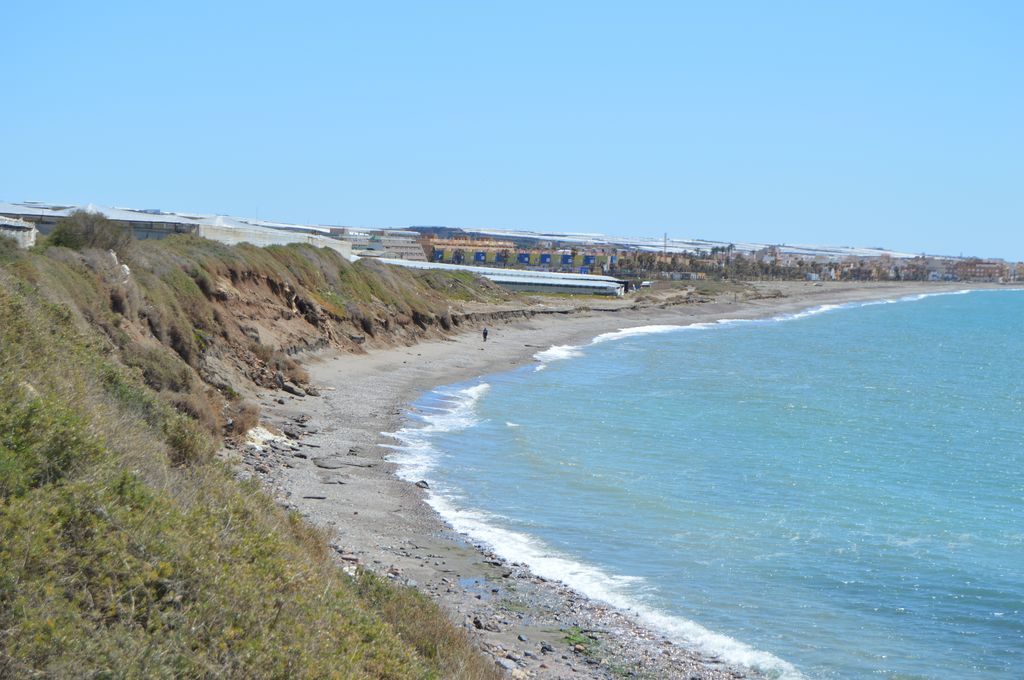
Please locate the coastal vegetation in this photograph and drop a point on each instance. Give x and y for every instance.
(127, 546)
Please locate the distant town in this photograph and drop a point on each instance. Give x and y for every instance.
(764, 262)
(594, 256)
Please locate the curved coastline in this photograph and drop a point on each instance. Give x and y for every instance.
(415, 458)
(392, 526)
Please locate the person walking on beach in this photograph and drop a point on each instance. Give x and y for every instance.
(485, 334)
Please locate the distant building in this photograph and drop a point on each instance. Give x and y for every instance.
(359, 238)
(535, 256)
(768, 255)
(404, 245)
(973, 269)
(377, 243)
(23, 232)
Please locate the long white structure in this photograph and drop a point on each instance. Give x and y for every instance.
(530, 281)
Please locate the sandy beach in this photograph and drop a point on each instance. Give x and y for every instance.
(330, 464)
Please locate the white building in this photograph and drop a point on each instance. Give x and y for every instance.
(24, 233)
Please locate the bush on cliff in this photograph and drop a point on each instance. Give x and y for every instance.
(82, 229)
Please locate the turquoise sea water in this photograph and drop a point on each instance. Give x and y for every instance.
(833, 494)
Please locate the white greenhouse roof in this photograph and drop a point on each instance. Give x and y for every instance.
(511, 273)
(517, 276)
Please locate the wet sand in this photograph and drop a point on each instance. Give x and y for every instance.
(332, 468)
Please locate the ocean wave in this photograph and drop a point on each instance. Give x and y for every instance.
(460, 412)
(811, 311)
(558, 353)
(822, 309)
(562, 352)
(415, 454)
(415, 460)
(634, 331)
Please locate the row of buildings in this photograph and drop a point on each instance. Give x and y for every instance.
(888, 268)
(768, 262)
(540, 257)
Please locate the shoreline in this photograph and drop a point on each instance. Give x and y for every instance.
(332, 468)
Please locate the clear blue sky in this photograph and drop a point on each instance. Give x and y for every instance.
(895, 123)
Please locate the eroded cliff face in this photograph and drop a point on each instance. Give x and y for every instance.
(205, 324)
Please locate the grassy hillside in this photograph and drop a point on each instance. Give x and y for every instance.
(126, 548)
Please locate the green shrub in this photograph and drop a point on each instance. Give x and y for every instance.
(161, 369)
(41, 439)
(82, 229)
(189, 443)
(9, 249)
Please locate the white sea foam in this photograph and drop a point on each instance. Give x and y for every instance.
(415, 454)
(415, 461)
(635, 330)
(716, 323)
(821, 309)
(509, 424)
(810, 311)
(562, 352)
(558, 353)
